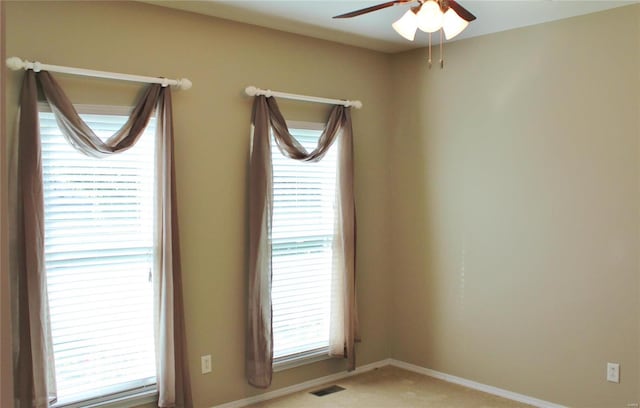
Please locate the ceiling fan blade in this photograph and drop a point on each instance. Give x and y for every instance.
(373, 8)
(461, 11)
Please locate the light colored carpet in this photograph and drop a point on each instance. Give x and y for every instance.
(392, 387)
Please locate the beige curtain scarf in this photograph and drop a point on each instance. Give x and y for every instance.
(266, 116)
(33, 354)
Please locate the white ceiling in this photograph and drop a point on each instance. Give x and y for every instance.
(313, 17)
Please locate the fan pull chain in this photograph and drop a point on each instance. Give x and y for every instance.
(441, 50)
(429, 50)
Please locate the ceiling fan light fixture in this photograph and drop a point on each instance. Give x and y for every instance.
(453, 24)
(407, 25)
(430, 17)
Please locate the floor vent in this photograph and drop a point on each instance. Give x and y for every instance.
(327, 390)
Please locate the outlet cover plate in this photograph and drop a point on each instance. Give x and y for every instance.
(613, 372)
(205, 362)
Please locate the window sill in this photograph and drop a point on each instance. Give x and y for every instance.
(285, 363)
(115, 401)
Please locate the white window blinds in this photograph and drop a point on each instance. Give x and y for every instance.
(99, 256)
(302, 235)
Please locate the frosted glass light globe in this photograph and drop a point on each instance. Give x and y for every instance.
(453, 24)
(407, 25)
(430, 17)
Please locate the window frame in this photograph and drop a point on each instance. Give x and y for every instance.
(315, 355)
(139, 395)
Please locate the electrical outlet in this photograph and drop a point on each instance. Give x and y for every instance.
(613, 372)
(205, 362)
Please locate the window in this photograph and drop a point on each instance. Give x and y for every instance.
(302, 239)
(99, 260)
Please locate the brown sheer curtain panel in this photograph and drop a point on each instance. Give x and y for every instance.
(266, 116)
(34, 365)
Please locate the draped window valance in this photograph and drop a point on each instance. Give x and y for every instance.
(33, 354)
(266, 117)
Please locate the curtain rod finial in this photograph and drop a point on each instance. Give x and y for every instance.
(356, 104)
(251, 90)
(15, 63)
(184, 84)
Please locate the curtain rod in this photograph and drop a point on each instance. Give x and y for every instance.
(16, 63)
(253, 91)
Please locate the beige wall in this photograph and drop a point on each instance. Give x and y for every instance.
(511, 255)
(212, 142)
(6, 383)
(638, 280)
(516, 198)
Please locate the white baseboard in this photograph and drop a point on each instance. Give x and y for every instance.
(303, 386)
(475, 385)
(396, 363)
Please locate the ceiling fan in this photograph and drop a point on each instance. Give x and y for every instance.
(428, 15)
